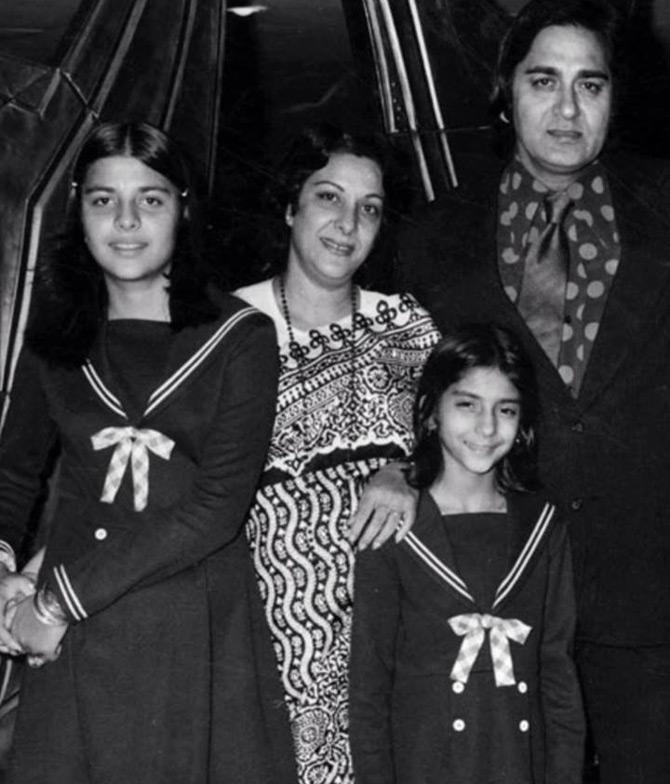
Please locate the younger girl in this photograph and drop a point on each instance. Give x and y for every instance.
(460, 664)
(146, 622)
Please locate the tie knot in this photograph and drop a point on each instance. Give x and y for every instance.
(556, 206)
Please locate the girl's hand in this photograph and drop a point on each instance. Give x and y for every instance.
(39, 640)
(13, 589)
(387, 507)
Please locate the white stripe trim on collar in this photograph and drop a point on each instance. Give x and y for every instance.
(109, 399)
(180, 375)
(526, 554)
(176, 379)
(438, 566)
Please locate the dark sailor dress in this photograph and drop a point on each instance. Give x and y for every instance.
(167, 672)
(460, 668)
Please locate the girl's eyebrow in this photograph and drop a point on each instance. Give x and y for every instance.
(142, 189)
(474, 396)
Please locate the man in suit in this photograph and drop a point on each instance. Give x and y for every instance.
(569, 245)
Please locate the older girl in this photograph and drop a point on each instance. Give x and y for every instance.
(160, 397)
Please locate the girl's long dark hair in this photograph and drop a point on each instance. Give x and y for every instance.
(70, 302)
(475, 346)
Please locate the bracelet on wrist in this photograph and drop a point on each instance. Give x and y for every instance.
(48, 609)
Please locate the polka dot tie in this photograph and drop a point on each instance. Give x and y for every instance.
(594, 250)
(542, 297)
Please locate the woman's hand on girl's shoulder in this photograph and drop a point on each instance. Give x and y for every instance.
(386, 508)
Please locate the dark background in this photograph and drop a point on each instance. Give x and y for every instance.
(296, 61)
(289, 63)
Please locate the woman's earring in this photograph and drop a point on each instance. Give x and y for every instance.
(288, 217)
(503, 117)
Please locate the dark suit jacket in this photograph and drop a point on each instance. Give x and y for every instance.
(606, 455)
(410, 722)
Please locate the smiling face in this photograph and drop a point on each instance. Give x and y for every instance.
(562, 97)
(337, 219)
(130, 215)
(477, 419)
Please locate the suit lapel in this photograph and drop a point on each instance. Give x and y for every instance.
(642, 278)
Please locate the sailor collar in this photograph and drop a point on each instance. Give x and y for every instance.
(421, 545)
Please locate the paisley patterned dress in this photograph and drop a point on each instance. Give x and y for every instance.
(344, 409)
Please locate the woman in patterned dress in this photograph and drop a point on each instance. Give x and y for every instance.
(349, 362)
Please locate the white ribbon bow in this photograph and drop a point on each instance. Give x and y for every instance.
(473, 627)
(133, 444)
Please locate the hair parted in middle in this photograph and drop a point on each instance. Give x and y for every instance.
(71, 297)
(476, 346)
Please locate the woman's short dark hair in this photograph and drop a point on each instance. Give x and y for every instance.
(71, 297)
(600, 17)
(311, 150)
(476, 346)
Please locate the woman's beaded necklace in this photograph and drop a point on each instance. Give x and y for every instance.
(298, 353)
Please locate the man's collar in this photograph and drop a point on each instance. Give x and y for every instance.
(519, 173)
